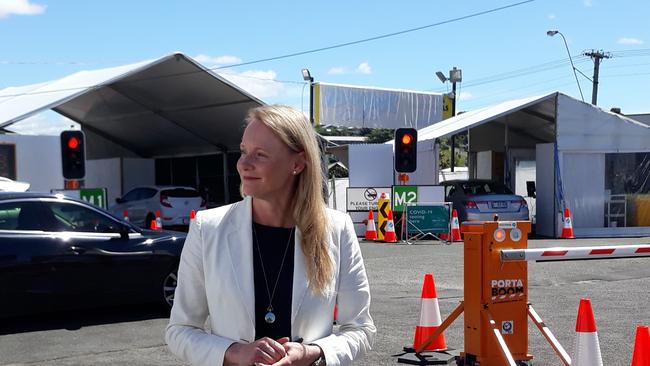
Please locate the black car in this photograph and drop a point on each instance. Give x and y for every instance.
(57, 252)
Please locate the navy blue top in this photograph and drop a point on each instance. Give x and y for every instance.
(272, 245)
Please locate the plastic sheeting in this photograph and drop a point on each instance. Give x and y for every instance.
(352, 106)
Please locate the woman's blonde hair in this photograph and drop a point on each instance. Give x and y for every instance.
(308, 206)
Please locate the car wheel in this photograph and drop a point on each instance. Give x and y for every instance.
(169, 287)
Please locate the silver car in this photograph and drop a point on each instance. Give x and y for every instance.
(173, 202)
(480, 200)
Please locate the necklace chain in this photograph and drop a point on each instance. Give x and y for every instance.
(270, 294)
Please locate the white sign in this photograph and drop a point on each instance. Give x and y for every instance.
(364, 199)
(507, 327)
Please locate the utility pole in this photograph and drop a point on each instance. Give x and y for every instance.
(596, 56)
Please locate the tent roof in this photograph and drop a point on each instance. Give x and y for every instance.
(172, 105)
(470, 119)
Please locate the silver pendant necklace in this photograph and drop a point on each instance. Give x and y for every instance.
(270, 316)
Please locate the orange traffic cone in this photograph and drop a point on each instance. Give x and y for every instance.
(455, 227)
(586, 351)
(153, 225)
(641, 354)
(158, 221)
(390, 236)
(336, 312)
(126, 215)
(371, 231)
(429, 317)
(567, 229)
(192, 215)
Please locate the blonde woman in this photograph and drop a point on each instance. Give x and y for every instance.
(269, 269)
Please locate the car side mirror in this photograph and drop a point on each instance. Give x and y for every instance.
(119, 200)
(530, 188)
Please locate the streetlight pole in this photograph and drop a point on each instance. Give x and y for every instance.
(455, 76)
(551, 33)
(306, 75)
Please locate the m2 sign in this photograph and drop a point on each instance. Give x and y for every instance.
(404, 195)
(411, 195)
(364, 199)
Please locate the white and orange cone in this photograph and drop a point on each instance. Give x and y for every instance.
(192, 214)
(371, 231)
(586, 351)
(641, 353)
(126, 215)
(567, 229)
(430, 318)
(390, 236)
(158, 221)
(455, 227)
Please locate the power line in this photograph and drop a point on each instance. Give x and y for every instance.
(453, 20)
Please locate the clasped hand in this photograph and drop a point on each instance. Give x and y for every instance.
(268, 352)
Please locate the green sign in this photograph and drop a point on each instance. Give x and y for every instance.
(428, 219)
(94, 196)
(403, 195)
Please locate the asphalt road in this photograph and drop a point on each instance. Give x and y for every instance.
(619, 291)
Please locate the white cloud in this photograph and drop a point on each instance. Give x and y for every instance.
(551, 16)
(19, 7)
(626, 40)
(211, 61)
(259, 83)
(364, 68)
(465, 96)
(337, 71)
(587, 3)
(46, 123)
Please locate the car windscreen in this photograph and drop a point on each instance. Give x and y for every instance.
(476, 188)
(180, 192)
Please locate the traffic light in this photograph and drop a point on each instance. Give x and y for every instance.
(406, 150)
(73, 154)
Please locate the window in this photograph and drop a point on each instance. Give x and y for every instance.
(20, 216)
(132, 195)
(73, 217)
(139, 194)
(476, 188)
(146, 193)
(180, 193)
(449, 190)
(627, 189)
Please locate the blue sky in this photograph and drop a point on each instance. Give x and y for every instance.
(504, 55)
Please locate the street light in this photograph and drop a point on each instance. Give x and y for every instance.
(455, 76)
(551, 33)
(306, 75)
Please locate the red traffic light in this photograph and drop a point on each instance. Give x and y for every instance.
(73, 143)
(407, 139)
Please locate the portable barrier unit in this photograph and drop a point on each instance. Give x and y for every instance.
(496, 294)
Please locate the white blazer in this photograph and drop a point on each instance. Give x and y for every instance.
(215, 279)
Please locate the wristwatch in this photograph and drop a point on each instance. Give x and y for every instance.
(320, 361)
